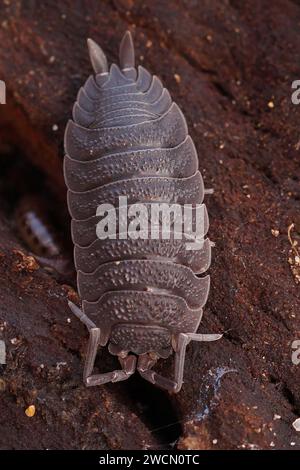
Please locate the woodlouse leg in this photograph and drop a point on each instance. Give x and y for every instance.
(157, 379)
(91, 354)
(182, 342)
(128, 364)
(146, 362)
(203, 337)
(82, 316)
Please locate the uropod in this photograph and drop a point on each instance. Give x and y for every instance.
(141, 297)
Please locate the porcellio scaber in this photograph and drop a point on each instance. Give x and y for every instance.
(38, 231)
(141, 297)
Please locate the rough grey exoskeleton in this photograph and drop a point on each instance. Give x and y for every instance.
(141, 297)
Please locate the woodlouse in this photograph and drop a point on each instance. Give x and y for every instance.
(40, 235)
(34, 227)
(141, 297)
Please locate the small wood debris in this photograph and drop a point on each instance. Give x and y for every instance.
(30, 411)
(177, 77)
(60, 364)
(296, 424)
(25, 262)
(275, 232)
(15, 341)
(2, 352)
(71, 293)
(2, 385)
(297, 145)
(294, 255)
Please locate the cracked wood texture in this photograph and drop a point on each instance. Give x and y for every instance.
(229, 65)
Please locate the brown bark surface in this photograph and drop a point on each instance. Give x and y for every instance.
(229, 65)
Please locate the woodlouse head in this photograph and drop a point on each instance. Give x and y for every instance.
(140, 339)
